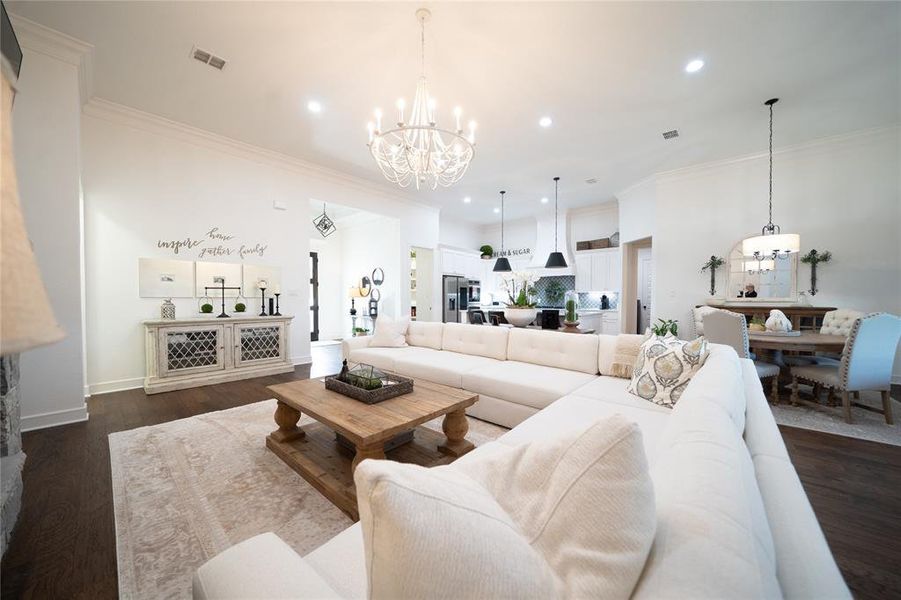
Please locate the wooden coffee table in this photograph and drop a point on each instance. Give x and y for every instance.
(314, 452)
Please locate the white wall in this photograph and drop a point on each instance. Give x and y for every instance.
(147, 179)
(638, 211)
(840, 194)
(46, 124)
(459, 234)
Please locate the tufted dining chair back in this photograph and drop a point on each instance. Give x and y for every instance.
(839, 322)
(728, 328)
(869, 354)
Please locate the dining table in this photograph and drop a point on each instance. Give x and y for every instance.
(807, 341)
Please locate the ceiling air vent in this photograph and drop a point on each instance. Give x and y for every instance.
(208, 58)
(668, 135)
(591, 180)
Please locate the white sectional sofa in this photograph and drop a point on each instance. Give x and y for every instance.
(733, 520)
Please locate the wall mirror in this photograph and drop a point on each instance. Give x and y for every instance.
(378, 276)
(773, 280)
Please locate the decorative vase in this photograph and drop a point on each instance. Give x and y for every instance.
(571, 304)
(167, 310)
(520, 317)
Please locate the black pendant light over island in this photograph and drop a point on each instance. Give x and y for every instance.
(555, 259)
(503, 264)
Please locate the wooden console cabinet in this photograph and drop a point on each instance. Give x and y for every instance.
(188, 353)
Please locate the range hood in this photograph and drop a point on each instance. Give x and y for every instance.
(544, 244)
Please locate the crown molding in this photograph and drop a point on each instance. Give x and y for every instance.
(131, 117)
(55, 44)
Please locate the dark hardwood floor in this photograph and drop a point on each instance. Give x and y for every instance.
(64, 545)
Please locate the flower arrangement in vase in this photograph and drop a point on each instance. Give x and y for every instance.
(520, 288)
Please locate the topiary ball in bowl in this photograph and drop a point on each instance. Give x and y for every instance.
(206, 308)
(240, 307)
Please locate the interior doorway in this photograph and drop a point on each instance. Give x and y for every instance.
(422, 272)
(314, 296)
(638, 286)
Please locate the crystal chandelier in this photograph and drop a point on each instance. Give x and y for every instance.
(417, 150)
(771, 243)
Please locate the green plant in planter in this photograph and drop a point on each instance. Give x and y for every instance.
(240, 307)
(813, 258)
(206, 308)
(571, 315)
(486, 251)
(712, 265)
(666, 326)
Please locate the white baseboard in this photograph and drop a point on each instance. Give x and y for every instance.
(118, 385)
(301, 360)
(52, 419)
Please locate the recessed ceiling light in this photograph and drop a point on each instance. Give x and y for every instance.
(314, 107)
(497, 210)
(467, 200)
(545, 122)
(694, 66)
(544, 200)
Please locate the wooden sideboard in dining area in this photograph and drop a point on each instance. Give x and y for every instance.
(802, 317)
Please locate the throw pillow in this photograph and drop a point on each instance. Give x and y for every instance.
(625, 353)
(582, 501)
(665, 366)
(436, 533)
(389, 333)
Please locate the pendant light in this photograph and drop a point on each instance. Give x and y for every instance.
(503, 263)
(555, 259)
(771, 243)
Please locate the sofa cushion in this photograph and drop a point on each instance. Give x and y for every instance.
(277, 572)
(524, 383)
(721, 383)
(341, 562)
(423, 333)
(389, 333)
(477, 340)
(441, 366)
(554, 349)
(615, 390)
(583, 499)
(713, 539)
(385, 358)
(437, 533)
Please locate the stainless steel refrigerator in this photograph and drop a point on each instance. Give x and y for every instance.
(455, 298)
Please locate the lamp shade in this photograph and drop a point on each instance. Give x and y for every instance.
(26, 318)
(355, 292)
(555, 260)
(502, 265)
(767, 245)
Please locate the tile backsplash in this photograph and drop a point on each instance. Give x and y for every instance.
(590, 300)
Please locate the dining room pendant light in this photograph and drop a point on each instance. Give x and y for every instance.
(771, 243)
(555, 259)
(503, 263)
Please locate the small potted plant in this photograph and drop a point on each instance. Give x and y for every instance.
(520, 310)
(571, 315)
(487, 251)
(665, 327)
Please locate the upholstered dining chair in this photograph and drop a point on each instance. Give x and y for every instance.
(476, 318)
(731, 329)
(835, 322)
(866, 364)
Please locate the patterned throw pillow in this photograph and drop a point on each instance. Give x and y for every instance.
(664, 367)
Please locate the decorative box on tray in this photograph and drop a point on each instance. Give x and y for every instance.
(368, 384)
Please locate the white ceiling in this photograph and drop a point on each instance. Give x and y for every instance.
(609, 74)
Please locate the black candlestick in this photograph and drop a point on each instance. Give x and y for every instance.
(262, 302)
(277, 313)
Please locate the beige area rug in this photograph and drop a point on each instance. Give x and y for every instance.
(186, 490)
(867, 425)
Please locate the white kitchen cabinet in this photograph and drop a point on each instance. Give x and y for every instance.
(458, 262)
(610, 323)
(599, 270)
(590, 321)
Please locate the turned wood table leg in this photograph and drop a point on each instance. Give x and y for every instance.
(846, 405)
(286, 418)
(795, 397)
(774, 390)
(375, 452)
(887, 406)
(455, 427)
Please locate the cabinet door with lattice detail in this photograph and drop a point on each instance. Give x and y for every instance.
(191, 349)
(257, 343)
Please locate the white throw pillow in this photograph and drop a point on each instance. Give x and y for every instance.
(572, 515)
(389, 333)
(664, 368)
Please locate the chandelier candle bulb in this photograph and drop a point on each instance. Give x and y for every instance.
(400, 107)
(378, 120)
(457, 113)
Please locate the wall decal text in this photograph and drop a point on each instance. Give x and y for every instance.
(214, 243)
